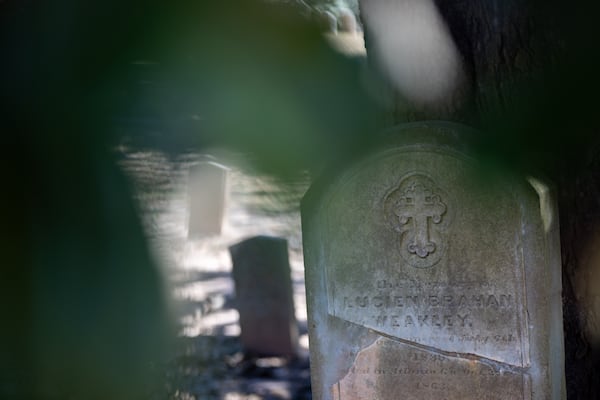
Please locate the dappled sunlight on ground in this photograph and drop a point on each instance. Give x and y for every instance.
(198, 272)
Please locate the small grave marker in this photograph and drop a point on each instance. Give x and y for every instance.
(264, 297)
(207, 197)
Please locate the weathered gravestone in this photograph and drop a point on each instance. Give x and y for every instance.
(430, 279)
(207, 196)
(264, 296)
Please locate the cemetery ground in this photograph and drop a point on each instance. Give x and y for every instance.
(209, 361)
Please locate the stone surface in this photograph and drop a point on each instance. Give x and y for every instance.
(387, 368)
(264, 297)
(418, 260)
(207, 196)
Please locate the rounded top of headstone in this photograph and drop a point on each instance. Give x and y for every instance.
(439, 135)
(258, 241)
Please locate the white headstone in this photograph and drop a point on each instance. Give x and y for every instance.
(207, 196)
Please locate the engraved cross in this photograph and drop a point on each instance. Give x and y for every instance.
(420, 205)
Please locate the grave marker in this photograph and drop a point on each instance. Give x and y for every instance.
(207, 197)
(428, 279)
(264, 296)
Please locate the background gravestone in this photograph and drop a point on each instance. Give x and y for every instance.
(207, 196)
(264, 297)
(430, 278)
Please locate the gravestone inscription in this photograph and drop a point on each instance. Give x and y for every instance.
(264, 296)
(428, 277)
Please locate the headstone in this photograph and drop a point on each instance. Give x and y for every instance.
(264, 296)
(207, 196)
(430, 279)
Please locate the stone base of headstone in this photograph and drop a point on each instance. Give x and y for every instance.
(207, 197)
(429, 277)
(264, 297)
